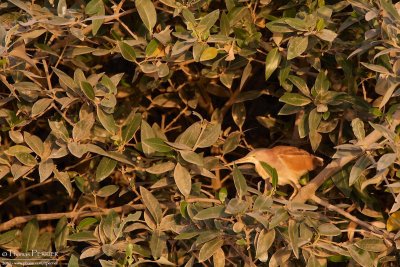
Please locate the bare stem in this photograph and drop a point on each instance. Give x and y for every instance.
(352, 218)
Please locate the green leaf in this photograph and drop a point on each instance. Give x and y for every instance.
(358, 128)
(147, 13)
(300, 84)
(4, 170)
(295, 99)
(314, 119)
(35, 143)
(389, 134)
(156, 144)
(372, 244)
(240, 182)
(209, 248)
(105, 168)
(132, 124)
(209, 53)
(279, 216)
(224, 25)
(93, 7)
(245, 76)
(64, 179)
(146, 133)
(30, 235)
(158, 242)
(358, 168)
(107, 120)
(315, 139)
(210, 135)
(82, 236)
(183, 179)
(87, 89)
(73, 261)
(272, 62)
(61, 233)
(151, 204)
(386, 161)
(236, 206)
(46, 169)
(296, 46)
(296, 23)
(293, 231)
(231, 142)
(219, 258)
(328, 229)
(210, 213)
(86, 223)
(109, 84)
(161, 168)
(207, 21)
(321, 83)
(190, 135)
(192, 157)
(264, 243)
(280, 257)
(82, 128)
(362, 257)
(107, 190)
(65, 79)
(271, 173)
(8, 236)
(26, 159)
(40, 106)
(127, 51)
(14, 150)
(279, 26)
(239, 114)
(59, 130)
(262, 203)
(326, 35)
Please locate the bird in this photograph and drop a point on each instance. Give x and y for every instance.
(290, 163)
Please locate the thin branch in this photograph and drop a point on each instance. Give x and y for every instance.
(62, 114)
(23, 190)
(175, 119)
(352, 218)
(55, 216)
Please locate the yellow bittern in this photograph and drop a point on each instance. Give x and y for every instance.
(291, 163)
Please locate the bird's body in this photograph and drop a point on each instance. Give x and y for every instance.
(291, 163)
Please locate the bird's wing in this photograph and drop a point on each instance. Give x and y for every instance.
(295, 159)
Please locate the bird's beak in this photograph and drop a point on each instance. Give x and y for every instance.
(242, 160)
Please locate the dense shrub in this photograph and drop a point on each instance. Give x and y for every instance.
(118, 120)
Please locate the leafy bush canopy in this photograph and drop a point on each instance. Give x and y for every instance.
(118, 120)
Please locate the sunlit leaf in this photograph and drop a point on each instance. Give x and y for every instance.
(209, 248)
(147, 13)
(240, 182)
(295, 99)
(105, 168)
(151, 204)
(183, 179)
(127, 51)
(272, 62)
(297, 45)
(30, 235)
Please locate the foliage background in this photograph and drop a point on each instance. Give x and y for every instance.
(117, 119)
